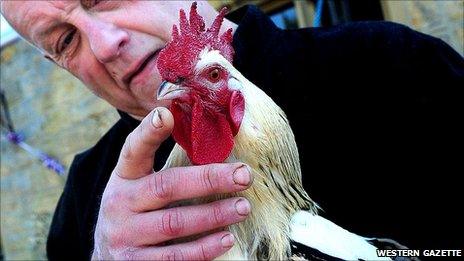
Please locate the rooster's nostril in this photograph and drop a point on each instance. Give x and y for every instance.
(179, 80)
(122, 44)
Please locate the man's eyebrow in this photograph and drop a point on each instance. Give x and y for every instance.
(50, 28)
(86, 4)
(43, 36)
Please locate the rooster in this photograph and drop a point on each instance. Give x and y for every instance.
(220, 116)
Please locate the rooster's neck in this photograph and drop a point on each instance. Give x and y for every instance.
(265, 142)
(267, 145)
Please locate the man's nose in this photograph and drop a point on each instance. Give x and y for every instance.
(107, 40)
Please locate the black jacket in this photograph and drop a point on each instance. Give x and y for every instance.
(376, 109)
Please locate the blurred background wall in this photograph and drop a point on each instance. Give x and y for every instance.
(442, 19)
(57, 115)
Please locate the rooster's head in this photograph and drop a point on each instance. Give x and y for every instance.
(207, 104)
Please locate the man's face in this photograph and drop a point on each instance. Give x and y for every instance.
(111, 46)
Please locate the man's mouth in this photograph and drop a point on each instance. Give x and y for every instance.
(150, 60)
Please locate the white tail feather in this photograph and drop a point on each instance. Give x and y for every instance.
(321, 234)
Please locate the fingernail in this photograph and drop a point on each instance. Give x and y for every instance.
(242, 206)
(242, 175)
(156, 120)
(227, 240)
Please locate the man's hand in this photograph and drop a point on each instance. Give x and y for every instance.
(132, 223)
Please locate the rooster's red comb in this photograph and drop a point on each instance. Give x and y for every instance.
(179, 57)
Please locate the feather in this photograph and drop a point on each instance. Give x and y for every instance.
(319, 233)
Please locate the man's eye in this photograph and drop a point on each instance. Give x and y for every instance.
(87, 4)
(92, 4)
(66, 40)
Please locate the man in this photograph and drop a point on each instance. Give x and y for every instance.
(374, 107)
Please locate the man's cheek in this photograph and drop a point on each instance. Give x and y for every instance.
(93, 77)
(76, 68)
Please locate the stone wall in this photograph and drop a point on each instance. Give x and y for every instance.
(55, 113)
(443, 19)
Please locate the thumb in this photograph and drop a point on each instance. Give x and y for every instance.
(138, 151)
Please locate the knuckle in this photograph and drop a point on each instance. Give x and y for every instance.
(203, 253)
(132, 198)
(111, 202)
(172, 222)
(142, 130)
(209, 178)
(128, 253)
(126, 151)
(115, 239)
(160, 186)
(219, 217)
(172, 254)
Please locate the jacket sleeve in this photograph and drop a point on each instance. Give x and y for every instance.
(63, 241)
(72, 229)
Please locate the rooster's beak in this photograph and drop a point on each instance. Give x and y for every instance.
(169, 91)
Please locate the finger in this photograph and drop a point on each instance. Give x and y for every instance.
(151, 228)
(137, 154)
(170, 185)
(206, 248)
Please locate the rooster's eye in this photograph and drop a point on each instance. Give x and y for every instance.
(214, 75)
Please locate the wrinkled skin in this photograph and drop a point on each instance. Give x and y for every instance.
(110, 37)
(101, 45)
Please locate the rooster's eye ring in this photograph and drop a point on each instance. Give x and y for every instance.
(214, 75)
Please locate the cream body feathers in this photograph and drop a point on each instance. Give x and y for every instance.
(266, 144)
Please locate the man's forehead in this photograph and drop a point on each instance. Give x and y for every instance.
(24, 14)
(34, 19)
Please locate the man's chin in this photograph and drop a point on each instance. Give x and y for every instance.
(142, 113)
